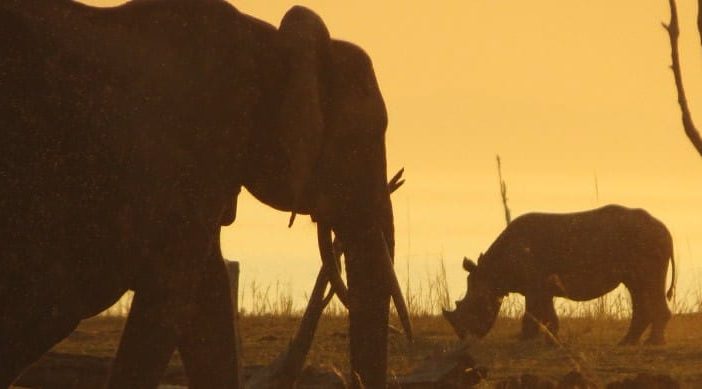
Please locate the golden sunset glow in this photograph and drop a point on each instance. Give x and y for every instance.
(576, 97)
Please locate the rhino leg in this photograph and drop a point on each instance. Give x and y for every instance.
(660, 315)
(657, 336)
(530, 321)
(551, 319)
(640, 317)
(539, 312)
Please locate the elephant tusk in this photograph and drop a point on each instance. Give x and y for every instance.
(396, 292)
(286, 369)
(331, 268)
(327, 298)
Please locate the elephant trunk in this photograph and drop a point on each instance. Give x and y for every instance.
(369, 298)
(372, 282)
(331, 268)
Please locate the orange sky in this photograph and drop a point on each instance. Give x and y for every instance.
(568, 93)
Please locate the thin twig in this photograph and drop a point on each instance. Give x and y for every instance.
(673, 33)
(576, 361)
(503, 192)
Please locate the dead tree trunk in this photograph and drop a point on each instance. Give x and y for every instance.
(233, 274)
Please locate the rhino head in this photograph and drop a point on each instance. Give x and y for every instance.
(477, 311)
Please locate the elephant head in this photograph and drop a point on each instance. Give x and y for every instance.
(331, 126)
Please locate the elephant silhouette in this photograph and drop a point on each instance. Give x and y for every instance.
(127, 131)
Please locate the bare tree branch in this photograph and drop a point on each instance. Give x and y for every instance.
(503, 191)
(673, 33)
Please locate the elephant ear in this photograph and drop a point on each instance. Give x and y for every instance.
(306, 42)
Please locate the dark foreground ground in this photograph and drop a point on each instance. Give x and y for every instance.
(586, 345)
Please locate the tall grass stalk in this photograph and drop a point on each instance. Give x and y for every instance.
(428, 295)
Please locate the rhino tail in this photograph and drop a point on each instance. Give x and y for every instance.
(673, 278)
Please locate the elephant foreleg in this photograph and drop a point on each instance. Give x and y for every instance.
(204, 335)
(181, 299)
(147, 342)
(207, 344)
(19, 350)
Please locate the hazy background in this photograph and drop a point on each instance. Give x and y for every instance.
(575, 96)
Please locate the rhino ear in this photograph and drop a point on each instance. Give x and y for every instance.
(306, 43)
(469, 265)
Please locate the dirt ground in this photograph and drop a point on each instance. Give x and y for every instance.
(587, 345)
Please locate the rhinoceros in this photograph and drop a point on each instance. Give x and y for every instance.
(579, 256)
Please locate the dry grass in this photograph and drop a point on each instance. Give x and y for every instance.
(273, 299)
(587, 343)
(427, 297)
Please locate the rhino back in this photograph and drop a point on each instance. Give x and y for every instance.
(600, 246)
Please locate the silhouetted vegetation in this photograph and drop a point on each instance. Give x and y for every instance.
(673, 33)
